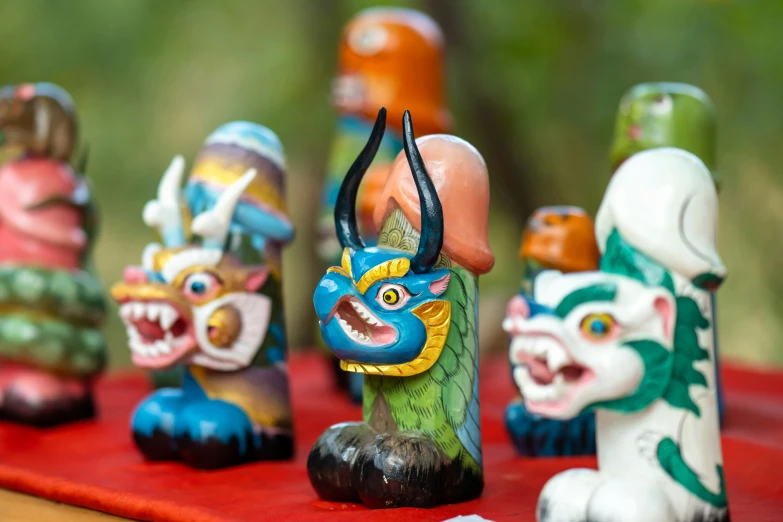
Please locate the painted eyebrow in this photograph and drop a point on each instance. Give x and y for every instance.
(393, 268)
(597, 292)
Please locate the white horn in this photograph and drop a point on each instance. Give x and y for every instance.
(213, 224)
(164, 213)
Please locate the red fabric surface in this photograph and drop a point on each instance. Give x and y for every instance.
(94, 464)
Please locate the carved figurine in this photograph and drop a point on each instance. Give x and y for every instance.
(630, 342)
(261, 214)
(51, 347)
(653, 115)
(665, 114)
(211, 303)
(390, 57)
(404, 314)
(555, 238)
(39, 118)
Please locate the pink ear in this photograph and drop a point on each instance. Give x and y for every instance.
(439, 286)
(256, 279)
(665, 310)
(518, 307)
(134, 275)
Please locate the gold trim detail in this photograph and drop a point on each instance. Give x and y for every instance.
(388, 269)
(436, 316)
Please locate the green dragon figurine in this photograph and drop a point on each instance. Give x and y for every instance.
(404, 314)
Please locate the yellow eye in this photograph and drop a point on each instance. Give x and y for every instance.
(597, 326)
(391, 296)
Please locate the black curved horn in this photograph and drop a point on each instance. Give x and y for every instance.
(431, 240)
(345, 208)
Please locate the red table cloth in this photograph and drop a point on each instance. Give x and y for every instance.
(95, 465)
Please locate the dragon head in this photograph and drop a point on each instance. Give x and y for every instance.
(591, 339)
(190, 301)
(380, 310)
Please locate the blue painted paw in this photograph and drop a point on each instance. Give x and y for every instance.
(217, 434)
(536, 436)
(156, 424)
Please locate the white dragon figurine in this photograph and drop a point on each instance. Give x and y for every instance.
(631, 342)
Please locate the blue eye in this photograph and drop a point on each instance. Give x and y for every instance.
(200, 285)
(597, 326)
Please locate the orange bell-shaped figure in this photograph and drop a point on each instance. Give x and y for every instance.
(459, 174)
(393, 57)
(561, 238)
(369, 195)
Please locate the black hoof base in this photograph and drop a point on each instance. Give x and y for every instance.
(351, 462)
(330, 463)
(215, 454)
(400, 470)
(156, 447)
(46, 415)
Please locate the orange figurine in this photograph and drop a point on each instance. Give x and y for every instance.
(558, 238)
(391, 57)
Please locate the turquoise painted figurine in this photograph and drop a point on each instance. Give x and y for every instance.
(390, 57)
(631, 343)
(404, 314)
(209, 301)
(51, 302)
(555, 238)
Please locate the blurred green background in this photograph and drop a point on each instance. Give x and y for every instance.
(534, 85)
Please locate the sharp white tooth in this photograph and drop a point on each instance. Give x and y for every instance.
(163, 347)
(556, 358)
(138, 347)
(133, 333)
(153, 311)
(508, 324)
(536, 346)
(362, 337)
(372, 320)
(522, 378)
(138, 310)
(168, 315)
(559, 385)
(343, 322)
(152, 350)
(125, 311)
(169, 338)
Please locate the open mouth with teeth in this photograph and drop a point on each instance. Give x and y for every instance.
(546, 373)
(360, 324)
(158, 334)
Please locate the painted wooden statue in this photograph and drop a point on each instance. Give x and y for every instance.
(391, 57)
(563, 239)
(209, 300)
(51, 346)
(404, 314)
(631, 344)
(665, 114)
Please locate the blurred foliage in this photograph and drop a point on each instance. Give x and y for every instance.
(153, 78)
